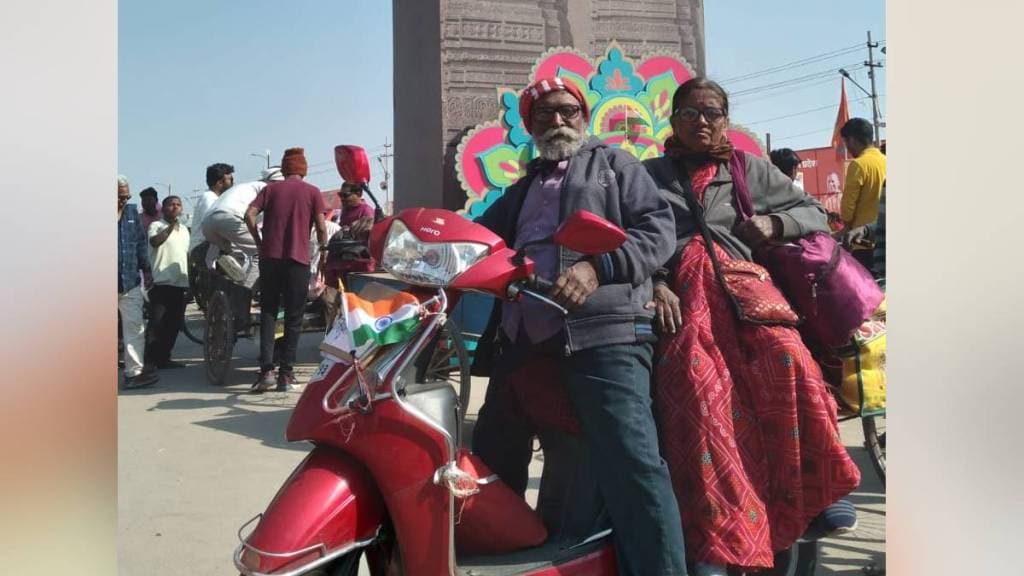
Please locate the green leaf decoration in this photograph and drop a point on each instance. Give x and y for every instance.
(504, 164)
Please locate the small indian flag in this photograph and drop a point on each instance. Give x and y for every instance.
(384, 321)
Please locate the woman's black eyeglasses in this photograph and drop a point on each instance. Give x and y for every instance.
(691, 114)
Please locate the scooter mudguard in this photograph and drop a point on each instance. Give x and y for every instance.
(328, 505)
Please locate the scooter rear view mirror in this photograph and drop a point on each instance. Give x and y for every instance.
(354, 168)
(589, 234)
(352, 163)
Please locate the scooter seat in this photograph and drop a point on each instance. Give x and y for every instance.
(548, 555)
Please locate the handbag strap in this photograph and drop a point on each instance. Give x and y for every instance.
(697, 210)
(740, 190)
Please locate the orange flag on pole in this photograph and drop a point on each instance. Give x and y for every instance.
(841, 118)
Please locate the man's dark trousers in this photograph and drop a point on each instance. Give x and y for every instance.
(166, 315)
(609, 388)
(283, 282)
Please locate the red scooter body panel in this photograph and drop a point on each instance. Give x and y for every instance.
(329, 499)
(401, 454)
(436, 225)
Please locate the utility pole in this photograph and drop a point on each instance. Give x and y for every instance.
(871, 64)
(386, 186)
(194, 199)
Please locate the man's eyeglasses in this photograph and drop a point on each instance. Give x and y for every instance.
(545, 113)
(688, 114)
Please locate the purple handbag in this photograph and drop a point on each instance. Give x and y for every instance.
(833, 292)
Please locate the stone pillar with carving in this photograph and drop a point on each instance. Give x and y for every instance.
(480, 45)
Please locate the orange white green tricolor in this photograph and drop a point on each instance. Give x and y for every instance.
(383, 321)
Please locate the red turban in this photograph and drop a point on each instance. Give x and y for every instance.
(541, 87)
(294, 162)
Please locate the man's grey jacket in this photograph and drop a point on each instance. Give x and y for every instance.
(614, 185)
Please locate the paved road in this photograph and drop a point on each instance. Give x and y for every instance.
(195, 462)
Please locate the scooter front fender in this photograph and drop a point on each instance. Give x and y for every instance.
(329, 506)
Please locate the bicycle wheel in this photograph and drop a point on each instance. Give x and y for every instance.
(219, 337)
(874, 441)
(192, 328)
(198, 275)
(446, 359)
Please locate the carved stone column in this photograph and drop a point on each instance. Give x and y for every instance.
(451, 55)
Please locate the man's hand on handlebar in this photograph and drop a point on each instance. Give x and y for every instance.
(575, 285)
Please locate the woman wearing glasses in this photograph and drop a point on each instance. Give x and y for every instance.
(748, 427)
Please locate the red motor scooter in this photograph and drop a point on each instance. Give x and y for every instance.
(378, 481)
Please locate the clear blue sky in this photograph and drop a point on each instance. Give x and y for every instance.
(203, 82)
(748, 36)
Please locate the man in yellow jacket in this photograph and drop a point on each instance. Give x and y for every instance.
(865, 177)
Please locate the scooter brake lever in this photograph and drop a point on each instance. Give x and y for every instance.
(546, 300)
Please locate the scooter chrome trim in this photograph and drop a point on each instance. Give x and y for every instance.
(393, 378)
(380, 366)
(324, 559)
(592, 538)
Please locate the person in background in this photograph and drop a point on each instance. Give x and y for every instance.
(787, 161)
(132, 258)
(225, 229)
(168, 241)
(219, 177)
(290, 208)
(150, 207)
(353, 207)
(862, 191)
(330, 295)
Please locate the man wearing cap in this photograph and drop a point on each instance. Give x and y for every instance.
(604, 346)
(225, 229)
(290, 208)
(132, 258)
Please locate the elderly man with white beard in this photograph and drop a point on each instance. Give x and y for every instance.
(601, 353)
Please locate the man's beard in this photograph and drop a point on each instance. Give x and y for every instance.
(559, 143)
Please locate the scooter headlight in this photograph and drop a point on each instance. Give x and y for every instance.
(432, 264)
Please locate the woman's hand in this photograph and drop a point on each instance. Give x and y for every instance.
(666, 304)
(759, 229)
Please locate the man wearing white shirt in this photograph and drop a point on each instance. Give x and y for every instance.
(219, 177)
(168, 252)
(224, 222)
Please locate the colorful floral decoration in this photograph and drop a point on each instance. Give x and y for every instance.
(630, 105)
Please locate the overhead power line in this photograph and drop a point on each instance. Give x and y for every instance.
(795, 64)
(801, 113)
(770, 95)
(798, 80)
(829, 129)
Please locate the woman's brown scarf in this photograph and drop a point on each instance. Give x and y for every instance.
(675, 148)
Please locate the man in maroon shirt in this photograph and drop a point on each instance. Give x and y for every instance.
(290, 208)
(353, 207)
